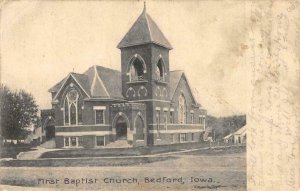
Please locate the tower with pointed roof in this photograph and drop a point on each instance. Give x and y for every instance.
(145, 61)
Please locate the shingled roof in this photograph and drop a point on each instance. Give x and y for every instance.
(242, 130)
(143, 31)
(101, 82)
(175, 77)
(96, 82)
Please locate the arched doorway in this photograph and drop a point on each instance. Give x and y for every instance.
(121, 129)
(50, 132)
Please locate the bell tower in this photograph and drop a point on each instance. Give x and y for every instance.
(145, 61)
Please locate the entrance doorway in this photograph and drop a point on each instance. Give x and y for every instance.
(121, 129)
(50, 132)
(49, 128)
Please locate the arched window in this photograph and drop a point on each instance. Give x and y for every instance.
(160, 70)
(73, 108)
(137, 69)
(181, 109)
(66, 110)
(139, 125)
(73, 114)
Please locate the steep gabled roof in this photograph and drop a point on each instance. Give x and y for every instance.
(59, 86)
(96, 85)
(228, 136)
(175, 77)
(96, 82)
(112, 81)
(174, 80)
(240, 131)
(83, 82)
(56, 87)
(143, 31)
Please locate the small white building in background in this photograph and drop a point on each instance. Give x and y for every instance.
(228, 138)
(238, 137)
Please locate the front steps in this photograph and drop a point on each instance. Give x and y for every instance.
(119, 144)
(49, 144)
(35, 154)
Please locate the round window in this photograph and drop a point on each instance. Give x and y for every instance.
(72, 95)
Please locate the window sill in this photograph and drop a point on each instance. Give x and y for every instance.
(160, 82)
(98, 147)
(137, 82)
(68, 125)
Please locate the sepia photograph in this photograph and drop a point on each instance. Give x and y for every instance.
(138, 95)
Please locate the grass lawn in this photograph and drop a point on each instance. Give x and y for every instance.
(13, 151)
(79, 162)
(225, 168)
(97, 152)
(134, 151)
(227, 172)
(219, 151)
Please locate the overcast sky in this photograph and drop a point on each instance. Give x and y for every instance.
(41, 42)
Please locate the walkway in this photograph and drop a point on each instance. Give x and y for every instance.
(35, 154)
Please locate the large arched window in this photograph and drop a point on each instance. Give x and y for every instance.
(181, 109)
(137, 69)
(160, 70)
(73, 108)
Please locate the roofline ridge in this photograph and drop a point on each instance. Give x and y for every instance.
(149, 21)
(148, 25)
(100, 80)
(107, 68)
(169, 44)
(190, 88)
(119, 46)
(89, 68)
(62, 82)
(69, 75)
(142, 43)
(78, 73)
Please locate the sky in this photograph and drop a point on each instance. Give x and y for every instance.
(42, 41)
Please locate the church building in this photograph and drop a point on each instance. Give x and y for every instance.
(145, 104)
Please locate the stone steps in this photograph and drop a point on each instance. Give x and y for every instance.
(49, 144)
(119, 144)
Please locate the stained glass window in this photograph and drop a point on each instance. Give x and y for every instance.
(181, 109)
(73, 105)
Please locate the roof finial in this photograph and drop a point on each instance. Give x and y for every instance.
(144, 10)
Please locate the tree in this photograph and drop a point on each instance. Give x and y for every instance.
(18, 113)
(223, 126)
(5, 110)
